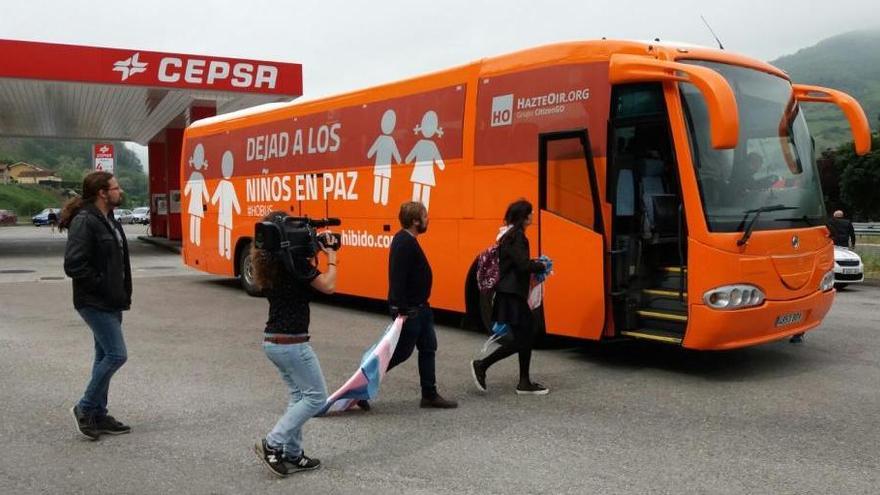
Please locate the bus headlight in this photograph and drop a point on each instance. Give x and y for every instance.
(827, 282)
(733, 297)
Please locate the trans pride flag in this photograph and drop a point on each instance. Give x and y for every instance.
(364, 384)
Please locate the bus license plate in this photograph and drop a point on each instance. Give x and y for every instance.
(788, 319)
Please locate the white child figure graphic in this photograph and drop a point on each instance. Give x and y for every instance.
(426, 154)
(198, 194)
(225, 195)
(385, 150)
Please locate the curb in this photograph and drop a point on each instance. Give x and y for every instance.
(173, 246)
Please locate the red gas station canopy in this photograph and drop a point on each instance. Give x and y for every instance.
(83, 92)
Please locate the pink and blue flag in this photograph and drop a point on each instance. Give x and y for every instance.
(364, 384)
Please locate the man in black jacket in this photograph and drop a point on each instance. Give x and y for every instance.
(97, 260)
(409, 288)
(842, 231)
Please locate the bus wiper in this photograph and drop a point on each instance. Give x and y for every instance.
(757, 211)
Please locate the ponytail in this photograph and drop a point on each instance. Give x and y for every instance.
(71, 208)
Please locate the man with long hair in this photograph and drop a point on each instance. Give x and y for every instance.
(97, 260)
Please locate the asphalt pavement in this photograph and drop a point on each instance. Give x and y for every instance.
(630, 417)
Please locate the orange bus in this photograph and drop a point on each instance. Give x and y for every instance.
(675, 187)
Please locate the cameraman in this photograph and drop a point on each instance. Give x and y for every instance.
(286, 344)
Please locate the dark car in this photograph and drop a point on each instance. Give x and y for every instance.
(42, 218)
(8, 217)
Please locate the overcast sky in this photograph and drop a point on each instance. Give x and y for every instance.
(352, 44)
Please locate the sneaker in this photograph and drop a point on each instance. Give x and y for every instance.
(364, 405)
(301, 463)
(272, 458)
(85, 424)
(479, 375)
(108, 424)
(797, 338)
(532, 389)
(438, 402)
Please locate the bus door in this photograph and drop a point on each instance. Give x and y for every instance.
(648, 231)
(570, 234)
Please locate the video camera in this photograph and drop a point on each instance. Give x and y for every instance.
(296, 240)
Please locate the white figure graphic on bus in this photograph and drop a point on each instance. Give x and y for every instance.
(228, 200)
(385, 150)
(426, 155)
(197, 191)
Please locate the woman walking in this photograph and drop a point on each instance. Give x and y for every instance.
(511, 305)
(286, 344)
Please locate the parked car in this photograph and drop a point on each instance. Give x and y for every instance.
(848, 267)
(141, 215)
(8, 217)
(122, 215)
(42, 218)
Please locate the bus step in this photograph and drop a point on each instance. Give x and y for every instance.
(662, 315)
(664, 293)
(663, 304)
(673, 269)
(653, 334)
(670, 281)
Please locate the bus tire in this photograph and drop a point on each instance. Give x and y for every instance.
(246, 272)
(478, 306)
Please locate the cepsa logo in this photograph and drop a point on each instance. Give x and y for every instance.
(198, 71)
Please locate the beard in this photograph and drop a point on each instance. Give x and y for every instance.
(115, 203)
(422, 228)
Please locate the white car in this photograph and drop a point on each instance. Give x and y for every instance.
(848, 267)
(122, 215)
(141, 215)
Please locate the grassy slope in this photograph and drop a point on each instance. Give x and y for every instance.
(27, 200)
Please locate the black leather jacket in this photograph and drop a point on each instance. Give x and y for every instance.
(100, 270)
(514, 265)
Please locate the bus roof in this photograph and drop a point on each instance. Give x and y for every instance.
(567, 52)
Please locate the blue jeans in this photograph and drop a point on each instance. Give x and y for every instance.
(110, 355)
(299, 368)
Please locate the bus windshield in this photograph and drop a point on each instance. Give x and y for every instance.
(772, 164)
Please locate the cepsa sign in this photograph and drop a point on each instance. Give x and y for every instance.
(211, 72)
(103, 153)
(49, 61)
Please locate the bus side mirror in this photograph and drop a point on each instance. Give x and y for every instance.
(858, 121)
(720, 100)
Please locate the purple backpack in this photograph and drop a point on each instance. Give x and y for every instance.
(488, 270)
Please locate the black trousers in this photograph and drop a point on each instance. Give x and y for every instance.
(521, 343)
(418, 333)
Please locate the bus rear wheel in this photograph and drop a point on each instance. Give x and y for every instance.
(246, 270)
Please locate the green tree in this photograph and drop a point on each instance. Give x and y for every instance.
(860, 180)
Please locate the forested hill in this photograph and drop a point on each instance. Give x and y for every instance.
(72, 159)
(849, 62)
